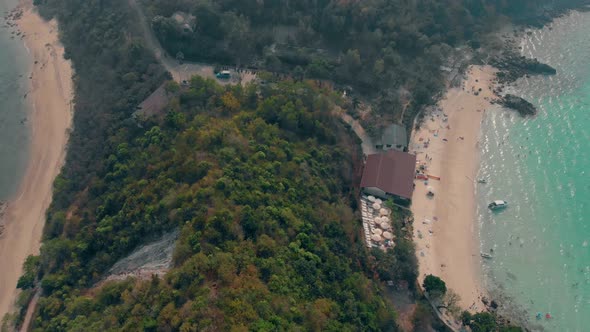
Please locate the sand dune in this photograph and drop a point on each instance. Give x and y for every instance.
(448, 246)
(50, 96)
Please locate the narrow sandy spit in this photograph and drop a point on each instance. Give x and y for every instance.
(50, 96)
(445, 225)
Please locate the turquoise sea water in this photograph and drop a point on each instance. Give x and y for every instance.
(14, 130)
(541, 166)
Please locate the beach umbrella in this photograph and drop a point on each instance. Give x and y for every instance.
(384, 225)
(371, 198)
(383, 212)
(377, 231)
(376, 206)
(388, 235)
(430, 189)
(376, 237)
(378, 201)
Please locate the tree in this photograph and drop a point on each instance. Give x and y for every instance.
(298, 73)
(180, 56)
(31, 270)
(451, 302)
(171, 87)
(483, 322)
(434, 286)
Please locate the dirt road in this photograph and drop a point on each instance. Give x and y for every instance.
(185, 70)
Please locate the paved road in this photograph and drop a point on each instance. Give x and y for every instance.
(367, 143)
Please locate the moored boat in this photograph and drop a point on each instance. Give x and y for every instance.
(497, 205)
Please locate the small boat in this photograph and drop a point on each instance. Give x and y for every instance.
(484, 181)
(497, 205)
(485, 255)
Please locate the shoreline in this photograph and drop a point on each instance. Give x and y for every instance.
(50, 99)
(445, 228)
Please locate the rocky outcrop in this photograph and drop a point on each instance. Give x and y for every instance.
(518, 104)
(512, 66)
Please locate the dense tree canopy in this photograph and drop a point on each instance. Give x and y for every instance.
(259, 180)
(389, 50)
(258, 184)
(487, 322)
(434, 285)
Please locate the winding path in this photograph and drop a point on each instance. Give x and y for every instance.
(367, 143)
(180, 71)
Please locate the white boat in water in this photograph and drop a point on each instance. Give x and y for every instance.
(497, 205)
(484, 255)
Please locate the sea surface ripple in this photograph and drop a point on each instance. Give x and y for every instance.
(540, 165)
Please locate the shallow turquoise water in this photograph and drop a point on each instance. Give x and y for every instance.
(14, 130)
(541, 166)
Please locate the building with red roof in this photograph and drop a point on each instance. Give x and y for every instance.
(390, 175)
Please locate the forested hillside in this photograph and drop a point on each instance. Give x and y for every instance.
(259, 180)
(260, 186)
(390, 51)
(113, 74)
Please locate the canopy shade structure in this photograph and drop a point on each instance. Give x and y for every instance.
(377, 231)
(376, 206)
(376, 237)
(388, 235)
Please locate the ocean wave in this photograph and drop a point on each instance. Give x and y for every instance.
(539, 165)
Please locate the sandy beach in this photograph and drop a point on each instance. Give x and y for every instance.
(50, 97)
(445, 229)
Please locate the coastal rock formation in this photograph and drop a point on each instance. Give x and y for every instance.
(512, 66)
(518, 104)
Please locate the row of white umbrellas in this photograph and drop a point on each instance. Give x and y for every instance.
(382, 221)
(385, 235)
(374, 200)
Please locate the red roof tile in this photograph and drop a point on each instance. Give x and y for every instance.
(392, 172)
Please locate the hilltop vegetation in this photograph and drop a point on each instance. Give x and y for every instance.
(260, 187)
(259, 180)
(114, 72)
(390, 51)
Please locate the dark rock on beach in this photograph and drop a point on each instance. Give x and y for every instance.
(518, 104)
(512, 66)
